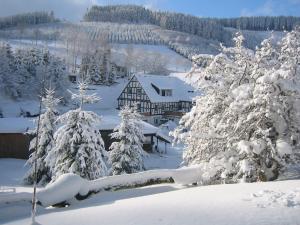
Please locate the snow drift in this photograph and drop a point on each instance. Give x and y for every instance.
(69, 185)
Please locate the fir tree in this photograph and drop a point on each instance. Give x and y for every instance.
(127, 153)
(79, 147)
(45, 141)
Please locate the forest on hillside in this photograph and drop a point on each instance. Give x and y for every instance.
(23, 19)
(210, 28)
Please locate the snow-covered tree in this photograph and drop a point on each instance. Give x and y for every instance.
(79, 147)
(5, 70)
(24, 72)
(245, 126)
(45, 141)
(126, 154)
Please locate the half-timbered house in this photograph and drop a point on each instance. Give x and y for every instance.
(158, 98)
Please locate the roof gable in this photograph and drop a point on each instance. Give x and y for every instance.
(128, 85)
(181, 91)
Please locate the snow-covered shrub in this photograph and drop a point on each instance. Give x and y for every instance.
(126, 154)
(248, 116)
(79, 147)
(45, 141)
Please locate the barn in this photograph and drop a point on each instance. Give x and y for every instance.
(158, 98)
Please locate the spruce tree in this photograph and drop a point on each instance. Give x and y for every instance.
(126, 154)
(79, 147)
(45, 141)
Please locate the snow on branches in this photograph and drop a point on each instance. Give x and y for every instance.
(127, 152)
(246, 124)
(45, 140)
(79, 147)
(82, 97)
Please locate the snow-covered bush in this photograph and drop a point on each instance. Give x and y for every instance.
(126, 154)
(79, 147)
(248, 116)
(45, 141)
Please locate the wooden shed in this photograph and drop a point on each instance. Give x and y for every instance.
(14, 143)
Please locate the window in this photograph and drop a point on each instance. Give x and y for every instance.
(180, 106)
(129, 90)
(166, 92)
(138, 91)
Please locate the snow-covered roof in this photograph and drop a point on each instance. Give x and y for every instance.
(16, 125)
(110, 122)
(21, 124)
(181, 91)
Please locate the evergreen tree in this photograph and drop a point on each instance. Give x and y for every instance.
(6, 76)
(126, 154)
(45, 141)
(79, 147)
(24, 72)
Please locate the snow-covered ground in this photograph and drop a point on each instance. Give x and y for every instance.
(257, 203)
(174, 61)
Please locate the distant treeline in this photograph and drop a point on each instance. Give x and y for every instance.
(206, 28)
(278, 23)
(211, 28)
(27, 19)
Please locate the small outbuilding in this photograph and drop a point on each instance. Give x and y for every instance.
(14, 143)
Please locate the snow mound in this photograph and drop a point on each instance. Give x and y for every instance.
(187, 175)
(66, 187)
(268, 198)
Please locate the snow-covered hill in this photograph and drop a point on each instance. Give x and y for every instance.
(182, 43)
(271, 203)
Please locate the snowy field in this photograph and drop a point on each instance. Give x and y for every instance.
(174, 61)
(257, 203)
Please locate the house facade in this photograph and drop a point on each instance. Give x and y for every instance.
(158, 98)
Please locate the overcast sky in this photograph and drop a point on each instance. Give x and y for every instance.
(74, 9)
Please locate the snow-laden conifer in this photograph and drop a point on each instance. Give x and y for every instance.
(126, 154)
(45, 140)
(79, 147)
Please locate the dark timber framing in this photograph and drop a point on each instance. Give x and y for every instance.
(134, 93)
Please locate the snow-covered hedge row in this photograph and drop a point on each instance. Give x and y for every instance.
(70, 185)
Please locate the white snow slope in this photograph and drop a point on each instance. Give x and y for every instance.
(267, 203)
(233, 204)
